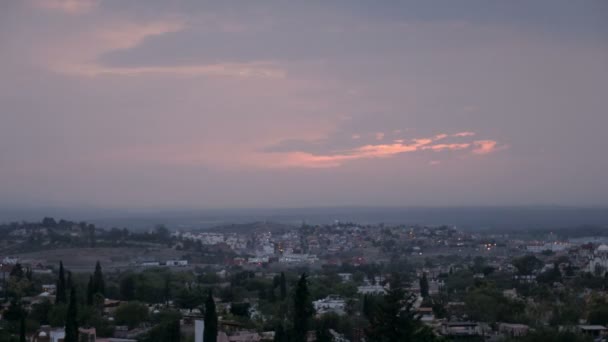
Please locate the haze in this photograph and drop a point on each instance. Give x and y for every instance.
(183, 104)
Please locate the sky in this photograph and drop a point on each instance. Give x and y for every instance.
(245, 104)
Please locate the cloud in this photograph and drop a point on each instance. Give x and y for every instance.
(379, 136)
(302, 159)
(79, 53)
(485, 146)
(66, 6)
(446, 147)
(464, 134)
(243, 70)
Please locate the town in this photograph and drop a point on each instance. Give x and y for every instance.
(268, 281)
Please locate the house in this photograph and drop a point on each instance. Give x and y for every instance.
(50, 288)
(594, 331)
(345, 276)
(461, 329)
(513, 330)
(371, 289)
(331, 303)
(174, 263)
(599, 263)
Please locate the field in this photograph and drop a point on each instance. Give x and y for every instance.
(84, 259)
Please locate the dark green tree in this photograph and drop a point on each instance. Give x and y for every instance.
(424, 286)
(17, 272)
(71, 320)
(127, 287)
(99, 285)
(189, 298)
(22, 329)
(131, 314)
(61, 295)
(283, 286)
(394, 320)
(69, 282)
(210, 333)
(302, 310)
(279, 334)
(322, 332)
(90, 291)
(527, 264)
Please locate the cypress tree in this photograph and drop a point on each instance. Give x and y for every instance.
(424, 286)
(210, 333)
(283, 285)
(71, 322)
(22, 329)
(367, 307)
(61, 296)
(303, 310)
(99, 285)
(90, 292)
(174, 331)
(395, 320)
(69, 283)
(279, 334)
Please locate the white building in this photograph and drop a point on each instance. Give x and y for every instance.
(331, 303)
(371, 289)
(345, 276)
(298, 258)
(599, 262)
(258, 260)
(549, 246)
(150, 263)
(174, 263)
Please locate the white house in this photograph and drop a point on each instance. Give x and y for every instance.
(331, 303)
(599, 262)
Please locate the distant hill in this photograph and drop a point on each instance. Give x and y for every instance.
(464, 217)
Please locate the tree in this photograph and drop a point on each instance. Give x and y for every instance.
(49, 222)
(61, 295)
(131, 314)
(69, 282)
(394, 320)
(599, 312)
(424, 286)
(71, 320)
(188, 299)
(322, 332)
(22, 329)
(90, 292)
(167, 330)
(127, 287)
(99, 285)
(210, 334)
(279, 334)
(40, 312)
(303, 310)
(283, 286)
(527, 264)
(17, 272)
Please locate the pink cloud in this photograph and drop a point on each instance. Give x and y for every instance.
(239, 156)
(464, 134)
(309, 160)
(66, 6)
(379, 136)
(484, 146)
(446, 147)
